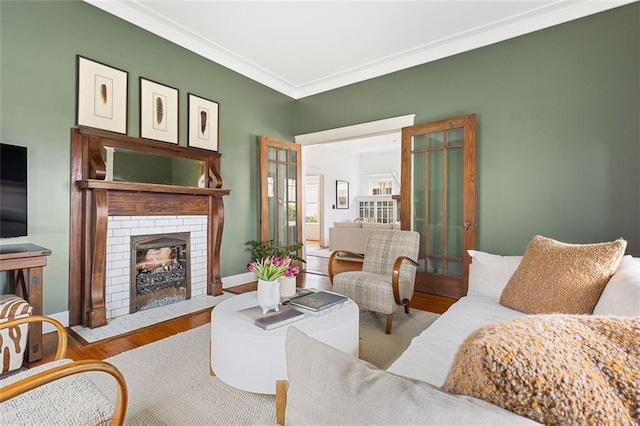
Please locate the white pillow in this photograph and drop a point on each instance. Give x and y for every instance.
(621, 296)
(489, 273)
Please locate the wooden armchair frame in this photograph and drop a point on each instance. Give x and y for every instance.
(48, 376)
(395, 279)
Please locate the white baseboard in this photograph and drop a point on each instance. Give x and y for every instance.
(63, 317)
(234, 280)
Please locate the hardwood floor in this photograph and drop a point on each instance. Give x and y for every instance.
(315, 276)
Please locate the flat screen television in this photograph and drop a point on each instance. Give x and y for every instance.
(13, 191)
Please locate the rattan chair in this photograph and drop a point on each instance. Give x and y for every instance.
(54, 393)
(388, 273)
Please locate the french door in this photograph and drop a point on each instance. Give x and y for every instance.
(280, 191)
(438, 187)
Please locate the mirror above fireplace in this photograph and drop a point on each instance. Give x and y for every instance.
(127, 165)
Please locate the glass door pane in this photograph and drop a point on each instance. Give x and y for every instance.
(434, 200)
(418, 204)
(272, 199)
(292, 190)
(454, 203)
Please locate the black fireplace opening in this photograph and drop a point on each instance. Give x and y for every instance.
(160, 270)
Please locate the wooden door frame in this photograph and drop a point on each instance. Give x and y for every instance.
(449, 287)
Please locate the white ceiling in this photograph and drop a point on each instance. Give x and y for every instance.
(304, 47)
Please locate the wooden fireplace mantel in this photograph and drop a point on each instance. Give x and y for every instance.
(94, 199)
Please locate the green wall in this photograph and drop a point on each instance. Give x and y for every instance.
(558, 127)
(558, 122)
(39, 41)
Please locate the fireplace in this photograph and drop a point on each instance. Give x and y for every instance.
(160, 270)
(100, 270)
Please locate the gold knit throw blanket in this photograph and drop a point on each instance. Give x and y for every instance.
(554, 369)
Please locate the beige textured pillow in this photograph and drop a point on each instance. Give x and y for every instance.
(554, 369)
(555, 277)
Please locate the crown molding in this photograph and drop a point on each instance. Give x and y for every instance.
(137, 14)
(543, 17)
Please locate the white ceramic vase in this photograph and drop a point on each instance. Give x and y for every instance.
(268, 295)
(287, 286)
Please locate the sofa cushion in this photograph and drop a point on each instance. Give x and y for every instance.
(556, 277)
(489, 273)
(376, 225)
(621, 296)
(347, 224)
(555, 369)
(330, 387)
(433, 350)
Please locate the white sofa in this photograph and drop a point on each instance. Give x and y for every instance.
(353, 236)
(349, 391)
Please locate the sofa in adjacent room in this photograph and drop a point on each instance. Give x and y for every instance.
(352, 236)
(328, 387)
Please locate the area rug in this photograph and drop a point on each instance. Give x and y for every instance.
(326, 253)
(169, 383)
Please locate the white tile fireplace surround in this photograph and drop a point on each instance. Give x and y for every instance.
(118, 267)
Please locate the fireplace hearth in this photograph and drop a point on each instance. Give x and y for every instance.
(160, 270)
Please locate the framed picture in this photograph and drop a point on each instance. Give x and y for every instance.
(203, 123)
(342, 194)
(101, 98)
(158, 111)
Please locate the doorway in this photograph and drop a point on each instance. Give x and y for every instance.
(314, 212)
(332, 167)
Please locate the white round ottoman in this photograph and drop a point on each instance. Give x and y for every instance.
(249, 358)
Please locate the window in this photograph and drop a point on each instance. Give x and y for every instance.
(311, 202)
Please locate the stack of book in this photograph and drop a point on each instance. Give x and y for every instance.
(299, 293)
(319, 303)
(271, 319)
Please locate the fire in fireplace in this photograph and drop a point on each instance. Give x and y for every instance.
(160, 270)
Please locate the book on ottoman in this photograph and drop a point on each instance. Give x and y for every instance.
(271, 319)
(320, 303)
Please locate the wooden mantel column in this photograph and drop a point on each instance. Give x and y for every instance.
(94, 199)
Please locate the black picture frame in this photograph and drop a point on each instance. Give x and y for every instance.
(159, 111)
(204, 119)
(102, 93)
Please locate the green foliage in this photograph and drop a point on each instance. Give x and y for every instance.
(311, 219)
(291, 212)
(264, 249)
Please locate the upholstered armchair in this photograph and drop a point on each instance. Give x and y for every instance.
(54, 393)
(388, 273)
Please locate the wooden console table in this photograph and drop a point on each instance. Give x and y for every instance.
(27, 261)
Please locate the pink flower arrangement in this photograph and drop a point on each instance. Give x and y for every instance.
(273, 267)
(291, 271)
